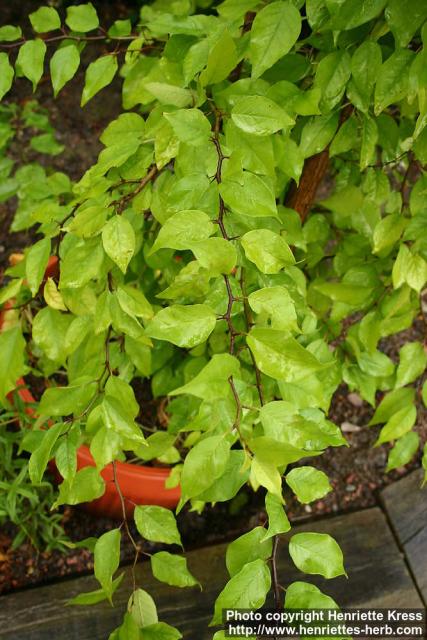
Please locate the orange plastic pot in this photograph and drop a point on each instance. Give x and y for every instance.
(138, 484)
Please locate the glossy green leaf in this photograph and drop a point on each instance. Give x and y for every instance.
(82, 17)
(183, 325)
(86, 485)
(403, 451)
(247, 589)
(399, 424)
(157, 524)
(182, 229)
(211, 383)
(30, 60)
(392, 81)
(259, 116)
(190, 126)
(251, 196)
(276, 303)
(267, 249)
(12, 349)
(36, 262)
(280, 356)
(99, 74)
(172, 570)
(204, 463)
(412, 363)
(277, 519)
(63, 66)
(317, 554)
(405, 17)
(303, 595)
(247, 548)
(107, 559)
(118, 239)
(9, 33)
(6, 74)
(142, 608)
(45, 19)
(391, 403)
(308, 483)
(274, 32)
(40, 457)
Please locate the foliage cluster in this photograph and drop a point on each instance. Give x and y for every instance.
(187, 257)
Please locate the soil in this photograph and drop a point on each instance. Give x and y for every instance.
(357, 473)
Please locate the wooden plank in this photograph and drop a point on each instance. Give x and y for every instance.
(377, 577)
(406, 505)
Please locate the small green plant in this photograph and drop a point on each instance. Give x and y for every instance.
(198, 253)
(25, 505)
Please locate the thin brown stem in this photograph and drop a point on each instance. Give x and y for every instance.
(125, 523)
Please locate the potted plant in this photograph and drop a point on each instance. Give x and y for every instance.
(187, 258)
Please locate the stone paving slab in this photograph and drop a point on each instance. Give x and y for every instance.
(378, 577)
(406, 506)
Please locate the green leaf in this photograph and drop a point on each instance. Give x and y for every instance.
(317, 134)
(369, 142)
(424, 393)
(63, 66)
(403, 451)
(387, 232)
(412, 363)
(280, 356)
(365, 68)
(190, 126)
(251, 196)
(247, 548)
(64, 401)
(41, 456)
(29, 62)
(6, 74)
(160, 631)
(86, 252)
(267, 250)
(399, 424)
(303, 595)
(391, 403)
(332, 75)
(274, 32)
(52, 296)
(317, 554)
(204, 463)
(222, 59)
(133, 302)
(45, 19)
(93, 597)
(409, 268)
(277, 304)
(230, 482)
(49, 330)
(66, 454)
(9, 33)
(277, 519)
(182, 229)
(217, 255)
(107, 559)
(86, 485)
(308, 484)
(211, 383)
(183, 325)
(99, 74)
(348, 15)
(275, 452)
(12, 350)
(392, 83)
(157, 524)
(142, 608)
(259, 116)
(247, 589)
(82, 18)
(266, 474)
(10, 290)
(172, 570)
(118, 239)
(120, 28)
(36, 263)
(405, 17)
